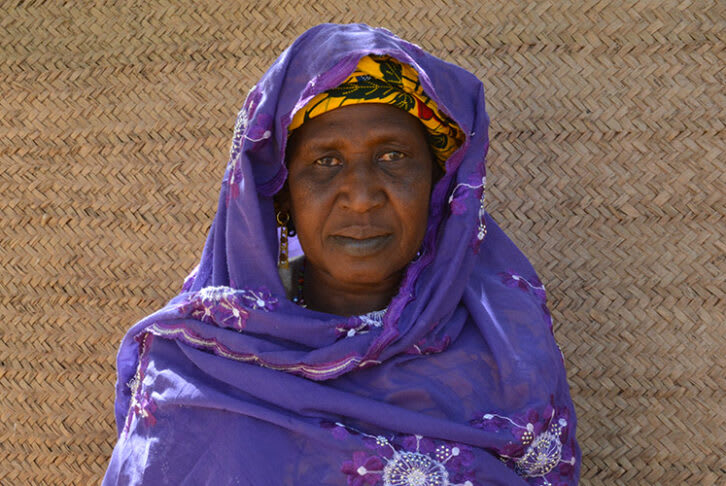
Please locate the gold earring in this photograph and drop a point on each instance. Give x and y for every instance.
(283, 217)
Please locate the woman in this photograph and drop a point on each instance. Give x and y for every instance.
(410, 345)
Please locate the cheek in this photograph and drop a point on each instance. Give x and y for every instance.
(422, 219)
(414, 210)
(307, 212)
(299, 206)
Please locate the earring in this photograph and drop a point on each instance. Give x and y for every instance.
(283, 217)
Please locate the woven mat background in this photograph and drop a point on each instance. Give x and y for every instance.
(607, 167)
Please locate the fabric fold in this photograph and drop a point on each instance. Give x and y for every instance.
(462, 384)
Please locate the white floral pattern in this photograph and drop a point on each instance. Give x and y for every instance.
(361, 324)
(543, 451)
(414, 461)
(225, 306)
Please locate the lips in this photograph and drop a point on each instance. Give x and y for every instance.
(361, 241)
(360, 232)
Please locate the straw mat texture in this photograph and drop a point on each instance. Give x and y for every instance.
(607, 169)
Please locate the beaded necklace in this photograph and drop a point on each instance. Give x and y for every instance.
(299, 298)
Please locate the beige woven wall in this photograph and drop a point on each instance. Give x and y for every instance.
(607, 168)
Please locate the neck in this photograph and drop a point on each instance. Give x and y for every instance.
(324, 294)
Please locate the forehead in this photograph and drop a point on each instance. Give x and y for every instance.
(366, 120)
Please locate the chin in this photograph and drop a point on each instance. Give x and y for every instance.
(368, 273)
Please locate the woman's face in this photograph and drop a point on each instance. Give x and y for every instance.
(359, 185)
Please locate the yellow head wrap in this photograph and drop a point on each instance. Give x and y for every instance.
(382, 79)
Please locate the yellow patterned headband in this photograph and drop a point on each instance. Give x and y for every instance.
(382, 79)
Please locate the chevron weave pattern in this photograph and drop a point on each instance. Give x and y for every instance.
(608, 168)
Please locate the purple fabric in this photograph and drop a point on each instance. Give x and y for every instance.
(462, 384)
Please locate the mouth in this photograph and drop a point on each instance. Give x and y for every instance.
(362, 246)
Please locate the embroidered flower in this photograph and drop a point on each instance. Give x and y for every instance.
(352, 327)
(414, 461)
(243, 117)
(374, 319)
(363, 469)
(227, 307)
(541, 448)
(361, 324)
(475, 185)
(260, 299)
(144, 407)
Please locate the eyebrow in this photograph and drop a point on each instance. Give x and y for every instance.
(385, 134)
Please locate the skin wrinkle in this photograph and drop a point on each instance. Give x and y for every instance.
(358, 190)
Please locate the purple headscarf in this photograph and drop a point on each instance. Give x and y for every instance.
(459, 383)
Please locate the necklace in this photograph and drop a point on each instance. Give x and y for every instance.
(299, 298)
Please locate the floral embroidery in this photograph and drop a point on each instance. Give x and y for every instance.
(141, 405)
(227, 307)
(242, 130)
(374, 319)
(260, 299)
(539, 450)
(362, 462)
(514, 280)
(533, 285)
(144, 407)
(361, 324)
(476, 186)
(243, 117)
(412, 461)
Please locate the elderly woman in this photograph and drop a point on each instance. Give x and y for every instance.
(409, 344)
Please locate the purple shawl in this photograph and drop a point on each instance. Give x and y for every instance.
(460, 383)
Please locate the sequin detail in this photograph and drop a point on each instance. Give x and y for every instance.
(412, 461)
(543, 454)
(540, 453)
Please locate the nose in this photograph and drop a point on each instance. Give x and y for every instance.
(361, 188)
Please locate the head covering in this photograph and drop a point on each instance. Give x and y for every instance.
(382, 79)
(459, 383)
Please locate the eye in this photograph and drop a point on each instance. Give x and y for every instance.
(327, 161)
(391, 156)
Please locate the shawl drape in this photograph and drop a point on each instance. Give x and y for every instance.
(460, 383)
